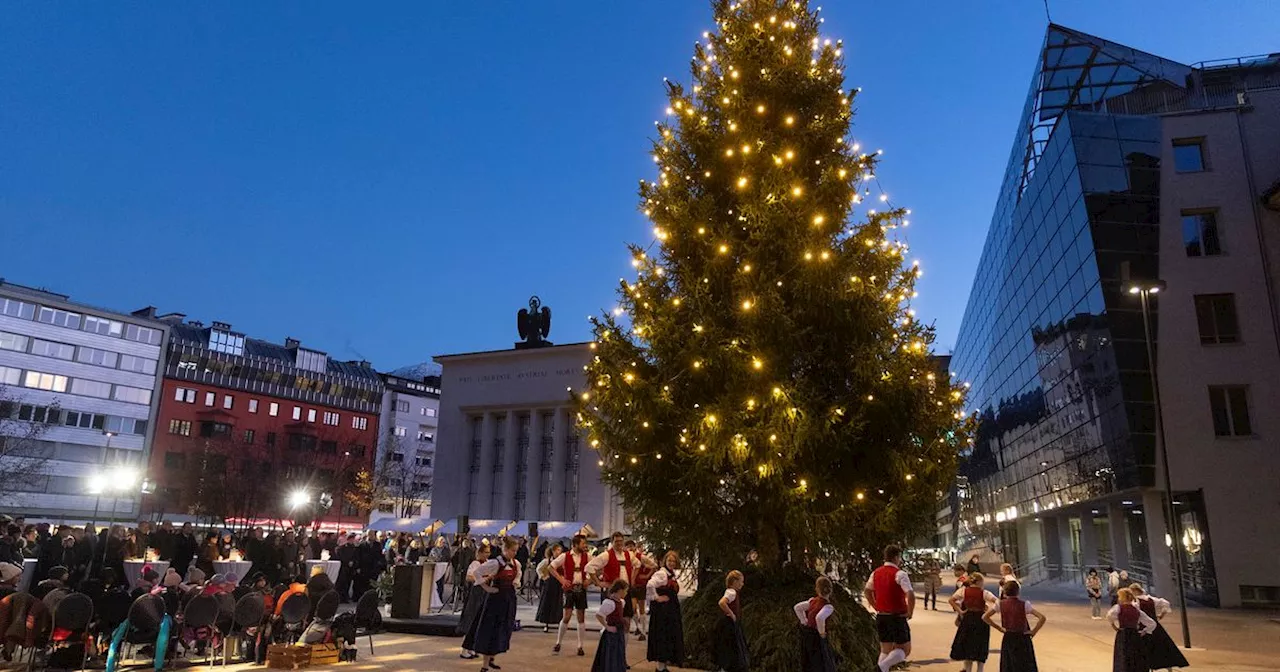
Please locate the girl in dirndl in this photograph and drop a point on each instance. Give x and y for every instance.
(552, 597)
(973, 636)
(729, 648)
(815, 652)
(498, 577)
(1131, 626)
(1162, 653)
(666, 626)
(1017, 654)
(474, 603)
(611, 654)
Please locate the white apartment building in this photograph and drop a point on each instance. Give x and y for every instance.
(405, 461)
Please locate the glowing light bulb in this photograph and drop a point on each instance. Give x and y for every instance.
(759, 109)
(818, 220)
(724, 249)
(790, 120)
(746, 305)
(742, 182)
(796, 190)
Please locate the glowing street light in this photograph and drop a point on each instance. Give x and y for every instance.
(298, 498)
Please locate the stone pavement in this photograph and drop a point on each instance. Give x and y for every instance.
(1226, 641)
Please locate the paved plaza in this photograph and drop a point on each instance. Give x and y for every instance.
(1226, 641)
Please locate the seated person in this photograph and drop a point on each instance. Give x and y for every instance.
(57, 579)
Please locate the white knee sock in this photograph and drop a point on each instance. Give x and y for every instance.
(883, 655)
(560, 632)
(895, 656)
(579, 634)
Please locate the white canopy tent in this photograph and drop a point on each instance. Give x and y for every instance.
(483, 528)
(553, 529)
(416, 524)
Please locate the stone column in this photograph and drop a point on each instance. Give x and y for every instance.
(1118, 525)
(559, 464)
(1052, 545)
(1088, 541)
(480, 504)
(505, 505)
(1153, 510)
(533, 469)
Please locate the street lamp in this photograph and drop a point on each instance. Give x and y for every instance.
(298, 498)
(1144, 289)
(122, 480)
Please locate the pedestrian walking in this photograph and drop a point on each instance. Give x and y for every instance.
(932, 581)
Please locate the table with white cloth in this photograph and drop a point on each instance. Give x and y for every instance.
(133, 570)
(28, 571)
(331, 567)
(238, 567)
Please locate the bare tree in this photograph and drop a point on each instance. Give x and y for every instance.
(403, 478)
(23, 457)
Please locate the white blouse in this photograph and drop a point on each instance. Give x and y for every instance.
(658, 580)
(1162, 605)
(987, 597)
(730, 594)
(471, 571)
(491, 567)
(802, 613)
(1146, 622)
(606, 607)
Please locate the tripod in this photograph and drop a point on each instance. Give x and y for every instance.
(456, 596)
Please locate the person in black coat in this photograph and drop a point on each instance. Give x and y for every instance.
(185, 548)
(11, 546)
(50, 554)
(348, 555)
(370, 564)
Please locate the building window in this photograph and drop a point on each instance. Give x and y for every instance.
(1230, 406)
(248, 436)
(46, 414)
(429, 412)
(175, 460)
(97, 357)
(253, 405)
(51, 349)
(426, 433)
(45, 381)
(329, 447)
(331, 418)
(271, 439)
(137, 364)
(10, 375)
(146, 335)
(61, 318)
(180, 427)
(215, 429)
(1200, 233)
(224, 341)
(422, 460)
(399, 431)
(13, 342)
(184, 394)
(15, 308)
(210, 398)
(297, 412)
(357, 450)
(273, 410)
(360, 423)
(396, 457)
(133, 395)
(1216, 315)
(91, 388)
(84, 420)
(310, 360)
(311, 415)
(1188, 155)
(118, 425)
(228, 401)
(101, 325)
(402, 407)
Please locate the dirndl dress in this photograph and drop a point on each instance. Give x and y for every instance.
(493, 625)
(611, 653)
(973, 638)
(815, 652)
(730, 644)
(1130, 653)
(1017, 653)
(1162, 653)
(666, 628)
(476, 598)
(551, 602)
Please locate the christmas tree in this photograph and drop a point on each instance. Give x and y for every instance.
(770, 387)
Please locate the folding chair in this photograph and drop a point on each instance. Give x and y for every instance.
(368, 618)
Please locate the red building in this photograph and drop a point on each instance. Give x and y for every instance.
(244, 425)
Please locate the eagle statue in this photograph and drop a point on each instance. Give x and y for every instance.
(534, 324)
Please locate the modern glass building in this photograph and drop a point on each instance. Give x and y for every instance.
(1062, 473)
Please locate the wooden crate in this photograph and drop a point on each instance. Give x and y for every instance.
(288, 657)
(324, 654)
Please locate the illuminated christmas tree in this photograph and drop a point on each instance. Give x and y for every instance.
(769, 386)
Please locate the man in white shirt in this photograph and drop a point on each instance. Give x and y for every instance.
(571, 569)
(890, 592)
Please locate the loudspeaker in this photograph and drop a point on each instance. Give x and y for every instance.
(406, 591)
(464, 525)
(533, 530)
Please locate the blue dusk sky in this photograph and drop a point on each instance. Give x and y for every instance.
(393, 180)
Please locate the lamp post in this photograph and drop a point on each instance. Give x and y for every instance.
(122, 480)
(1144, 289)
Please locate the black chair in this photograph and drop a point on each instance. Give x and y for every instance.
(327, 606)
(368, 618)
(293, 615)
(246, 614)
(226, 611)
(145, 616)
(200, 615)
(110, 610)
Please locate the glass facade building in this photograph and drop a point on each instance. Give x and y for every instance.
(1051, 344)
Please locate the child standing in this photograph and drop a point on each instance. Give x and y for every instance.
(815, 652)
(1130, 624)
(973, 636)
(730, 645)
(666, 626)
(1017, 654)
(610, 654)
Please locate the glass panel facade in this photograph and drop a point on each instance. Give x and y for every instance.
(1052, 349)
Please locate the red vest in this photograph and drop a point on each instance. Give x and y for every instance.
(615, 617)
(1128, 619)
(613, 569)
(890, 599)
(733, 606)
(811, 615)
(974, 599)
(506, 575)
(569, 566)
(1013, 615)
(643, 573)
